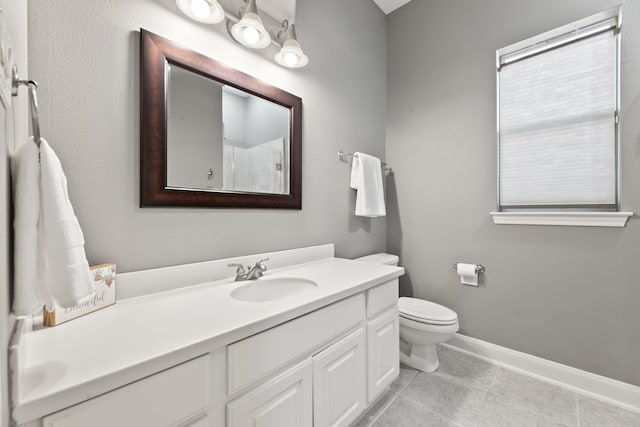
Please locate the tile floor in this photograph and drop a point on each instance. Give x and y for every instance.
(466, 391)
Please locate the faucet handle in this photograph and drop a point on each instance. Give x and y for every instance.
(240, 268)
(260, 264)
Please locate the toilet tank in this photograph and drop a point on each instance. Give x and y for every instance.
(380, 258)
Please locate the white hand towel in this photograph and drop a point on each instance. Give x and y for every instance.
(50, 265)
(366, 178)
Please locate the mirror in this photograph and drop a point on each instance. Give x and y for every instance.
(212, 136)
(222, 138)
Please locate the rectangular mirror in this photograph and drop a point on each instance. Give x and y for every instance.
(212, 136)
(222, 138)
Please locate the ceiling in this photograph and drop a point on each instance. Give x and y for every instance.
(388, 6)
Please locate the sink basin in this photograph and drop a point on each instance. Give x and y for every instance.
(272, 289)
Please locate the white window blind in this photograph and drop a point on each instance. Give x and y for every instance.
(557, 126)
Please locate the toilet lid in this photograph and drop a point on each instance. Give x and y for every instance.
(426, 311)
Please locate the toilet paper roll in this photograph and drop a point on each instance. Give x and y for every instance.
(468, 274)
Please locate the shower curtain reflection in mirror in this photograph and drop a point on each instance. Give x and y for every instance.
(257, 169)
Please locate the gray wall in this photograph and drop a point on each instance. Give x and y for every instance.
(85, 54)
(568, 294)
(266, 121)
(234, 109)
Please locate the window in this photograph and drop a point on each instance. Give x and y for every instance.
(558, 121)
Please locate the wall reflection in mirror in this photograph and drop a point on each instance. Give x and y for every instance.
(220, 138)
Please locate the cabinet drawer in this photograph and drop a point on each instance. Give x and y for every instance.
(178, 396)
(382, 297)
(257, 356)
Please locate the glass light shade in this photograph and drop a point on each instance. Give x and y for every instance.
(244, 32)
(291, 55)
(251, 35)
(207, 11)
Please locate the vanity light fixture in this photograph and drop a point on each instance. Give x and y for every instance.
(250, 30)
(207, 11)
(247, 28)
(291, 54)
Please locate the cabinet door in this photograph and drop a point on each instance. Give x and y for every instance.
(284, 401)
(178, 396)
(339, 382)
(383, 352)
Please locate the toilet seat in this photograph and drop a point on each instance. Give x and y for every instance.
(423, 326)
(423, 311)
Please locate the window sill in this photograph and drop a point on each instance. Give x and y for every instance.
(579, 219)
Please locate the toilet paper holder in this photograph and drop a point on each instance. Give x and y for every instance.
(479, 268)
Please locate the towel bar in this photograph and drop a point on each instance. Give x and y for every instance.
(342, 155)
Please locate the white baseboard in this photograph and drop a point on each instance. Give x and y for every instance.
(596, 386)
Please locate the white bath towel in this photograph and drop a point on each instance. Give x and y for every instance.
(50, 261)
(28, 296)
(366, 178)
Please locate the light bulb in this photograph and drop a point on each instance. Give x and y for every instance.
(200, 8)
(251, 35)
(207, 11)
(290, 59)
(291, 54)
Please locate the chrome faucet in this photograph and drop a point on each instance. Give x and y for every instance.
(254, 272)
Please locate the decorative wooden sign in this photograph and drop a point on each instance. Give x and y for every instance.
(104, 281)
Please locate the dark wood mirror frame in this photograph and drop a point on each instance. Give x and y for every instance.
(155, 53)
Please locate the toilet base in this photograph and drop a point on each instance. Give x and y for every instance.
(421, 357)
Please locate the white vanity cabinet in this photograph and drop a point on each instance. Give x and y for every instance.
(327, 389)
(336, 361)
(326, 383)
(320, 369)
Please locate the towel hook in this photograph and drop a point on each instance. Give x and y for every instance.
(16, 82)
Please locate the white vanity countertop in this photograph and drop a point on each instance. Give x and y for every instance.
(136, 337)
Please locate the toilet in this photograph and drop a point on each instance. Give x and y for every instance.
(423, 324)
